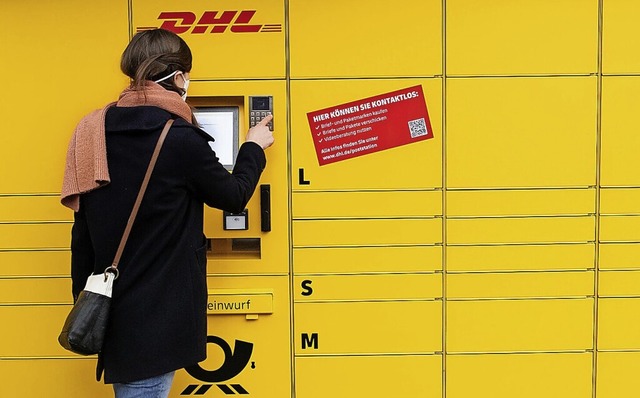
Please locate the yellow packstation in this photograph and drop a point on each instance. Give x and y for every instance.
(450, 209)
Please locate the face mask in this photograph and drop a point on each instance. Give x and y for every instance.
(186, 86)
(186, 82)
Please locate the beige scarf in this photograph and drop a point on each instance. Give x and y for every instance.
(86, 167)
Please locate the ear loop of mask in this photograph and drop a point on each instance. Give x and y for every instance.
(166, 77)
(186, 83)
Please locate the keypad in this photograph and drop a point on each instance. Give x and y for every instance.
(257, 116)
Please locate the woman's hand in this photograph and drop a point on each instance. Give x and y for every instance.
(260, 133)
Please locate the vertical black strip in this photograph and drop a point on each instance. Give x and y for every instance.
(265, 207)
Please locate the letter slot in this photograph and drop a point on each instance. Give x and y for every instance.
(265, 207)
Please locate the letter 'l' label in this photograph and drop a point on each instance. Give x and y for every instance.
(301, 179)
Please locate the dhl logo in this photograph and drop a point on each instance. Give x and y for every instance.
(181, 22)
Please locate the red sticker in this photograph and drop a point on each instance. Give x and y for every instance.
(370, 125)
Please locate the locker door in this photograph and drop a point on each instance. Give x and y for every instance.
(521, 132)
(620, 143)
(525, 37)
(225, 37)
(617, 374)
(49, 84)
(351, 39)
(520, 325)
(619, 53)
(566, 375)
(351, 376)
(413, 166)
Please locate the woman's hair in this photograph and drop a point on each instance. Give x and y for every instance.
(154, 54)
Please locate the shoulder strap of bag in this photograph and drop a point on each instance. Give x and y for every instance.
(136, 206)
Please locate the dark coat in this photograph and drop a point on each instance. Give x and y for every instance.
(158, 318)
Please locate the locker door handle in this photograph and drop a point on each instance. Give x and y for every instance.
(265, 207)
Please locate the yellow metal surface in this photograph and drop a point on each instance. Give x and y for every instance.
(268, 368)
(51, 377)
(34, 330)
(35, 290)
(345, 296)
(30, 263)
(239, 301)
(521, 202)
(566, 375)
(620, 52)
(617, 374)
(390, 169)
(367, 232)
(620, 228)
(367, 287)
(521, 230)
(33, 208)
(56, 62)
(247, 36)
(521, 132)
(339, 38)
(393, 376)
(35, 236)
(273, 256)
(368, 327)
(619, 283)
(620, 201)
(520, 325)
(620, 143)
(525, 37)
(619, 326)
(520, 284)
(619, 256)
(366, 204)
(520, 257)
(367, 259)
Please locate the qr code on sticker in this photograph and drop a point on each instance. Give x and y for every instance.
(418, 128)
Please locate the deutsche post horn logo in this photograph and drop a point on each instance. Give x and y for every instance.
(234, 362)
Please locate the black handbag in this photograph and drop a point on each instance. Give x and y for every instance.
(86, 325)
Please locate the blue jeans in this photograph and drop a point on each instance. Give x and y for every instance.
(154, 387)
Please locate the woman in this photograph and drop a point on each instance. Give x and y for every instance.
(158, 315)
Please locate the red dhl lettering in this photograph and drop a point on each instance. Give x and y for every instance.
(181, 22)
